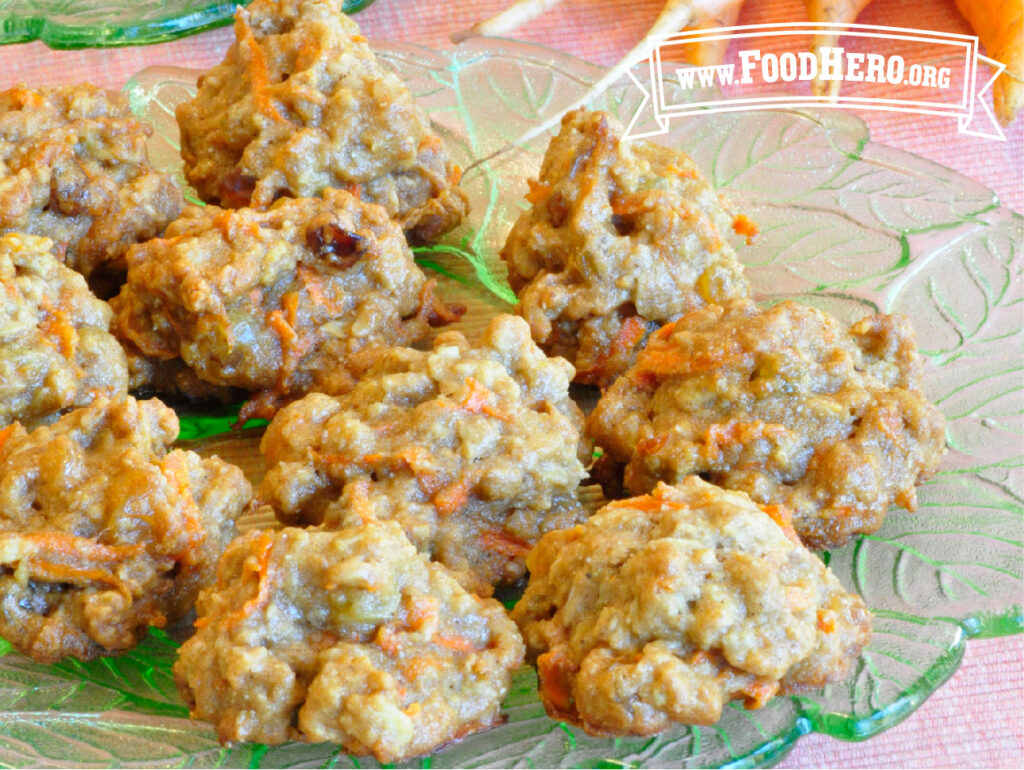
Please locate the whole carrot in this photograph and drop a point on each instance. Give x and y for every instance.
(999, 25)
(836, 12)
(513, 17)
(706, 53)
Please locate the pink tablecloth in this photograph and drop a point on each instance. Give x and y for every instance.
(976, 719)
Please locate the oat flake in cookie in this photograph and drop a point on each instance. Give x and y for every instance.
(103, 531)
(474, 450)
(788, 404)
(278, 302)
(661, 609)
(350, 637)
(73, 168)
(621, 237)
(300, 104)
(55, 349)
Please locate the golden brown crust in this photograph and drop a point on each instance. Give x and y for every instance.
(660, 609)
(350, 637)
(621, 238)
(277, 302)
(56, 352)
(103, 532)
(170, 378)
(73, 167)
(787, 404)
(300, 104)
(474, 450)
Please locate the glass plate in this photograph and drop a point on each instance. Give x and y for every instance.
(846, 225)
(105, 23)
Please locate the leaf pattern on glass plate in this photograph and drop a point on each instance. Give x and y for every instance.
(82, 23)
(848, 226)
(139, 680)
(960, 555)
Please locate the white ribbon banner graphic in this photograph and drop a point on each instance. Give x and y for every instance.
(934, 73)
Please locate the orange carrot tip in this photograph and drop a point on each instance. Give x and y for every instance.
(999, 25)
(509, 20)
(834, 12)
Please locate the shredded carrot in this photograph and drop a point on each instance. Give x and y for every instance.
(388, 640)
(683, 173)
(745, 227)
(259, 74)
(553, 671)
(647, 503)
(290, 303)
(457, 643)
(226, 222)
(5, 433)
(759, 693)
(48, 570)
(312, 283)
(276, 320)
(452, 498)
(358, 39)
(631, 333)
(892, 426)
(784, 518)
(264, 547)
(66, 334)
(666, 363)
(430, 142)
(665, 331)
(334, 459)
(721, 436)
(504, 543)
(699, 657)
(419, 461)
(456, 175)
(56, 327)
(414, 668)
(75, 547)
(284, 327)
(422, 610)
(52, 548)
(826, 621)
(412, 710)
(24, 97)
(628, 204)
(538, 190)
(417, 458)
(652, 445)
(476, 401)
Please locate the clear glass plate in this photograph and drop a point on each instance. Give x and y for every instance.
(847, 225)
(104, 23)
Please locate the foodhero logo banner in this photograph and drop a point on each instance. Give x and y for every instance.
(932, 73)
